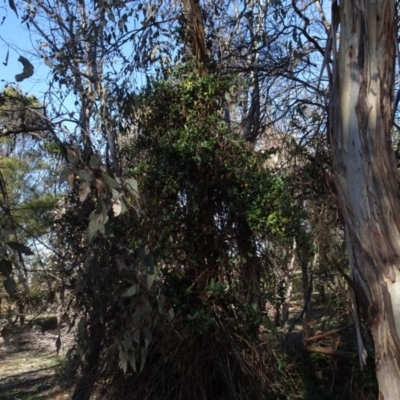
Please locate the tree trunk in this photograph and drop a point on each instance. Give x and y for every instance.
(365, 173)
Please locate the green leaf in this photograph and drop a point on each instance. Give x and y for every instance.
(5, 267)
(149, 280)
(123, 207)
(72, 156)
(71, 181)
(102, 229)
(84, 191)
(123, 361)
(130, 291)
(148, 336)
(21, 248)
(93, 228)
(95, 161)
(67, 176)
(103, 219)
(132, 361)
(143, 356)
(132, 186)
(10, 285)
(115, 194)
(85, 175)
(136, 332)
(93, 215)
(171, 314)
(111, 182)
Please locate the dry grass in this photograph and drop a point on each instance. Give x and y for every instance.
(28, 366)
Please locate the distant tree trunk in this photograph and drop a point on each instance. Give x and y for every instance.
(365, 173)
(21, 312)
(196, 38)
(285, 288)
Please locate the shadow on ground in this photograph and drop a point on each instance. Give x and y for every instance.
(28, 366)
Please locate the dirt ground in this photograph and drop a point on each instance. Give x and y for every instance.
(29, 364)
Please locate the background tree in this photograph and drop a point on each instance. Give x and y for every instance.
(27, 193)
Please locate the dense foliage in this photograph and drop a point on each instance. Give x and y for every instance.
(190, 234)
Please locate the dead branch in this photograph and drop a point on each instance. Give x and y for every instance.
(330, 352)
(325, 334)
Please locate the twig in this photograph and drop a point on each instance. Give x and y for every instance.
(325, 334)
(330, 352)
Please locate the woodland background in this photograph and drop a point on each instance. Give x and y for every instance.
(169, 196)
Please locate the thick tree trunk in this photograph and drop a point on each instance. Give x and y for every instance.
(365, 173)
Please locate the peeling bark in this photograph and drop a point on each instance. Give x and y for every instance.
(365, 173)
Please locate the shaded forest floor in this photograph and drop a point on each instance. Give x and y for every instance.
(29, 365)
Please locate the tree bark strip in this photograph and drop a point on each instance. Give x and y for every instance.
(365, 173)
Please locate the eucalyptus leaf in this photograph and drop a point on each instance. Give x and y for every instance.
(5, 62)
(102, 229)
(72, 156)
(130, 291)
(143, 356)
(132, 186)
(148, 335)
(85, 175)
(92, 229)
(103, 218)
(21, 248)
(171, 314)
(64, 175)
(136, 334)
(28, 69)
(5, 267)
(115, 194)
(84, 191)
(150, 279)
(10, 285)
(110, 182)
(132, 361)
(123, 207)
(94, 215)
(123, 361)
(71, 180)
(95, 161)
(12, 6)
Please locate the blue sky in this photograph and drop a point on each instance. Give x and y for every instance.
(15, 38)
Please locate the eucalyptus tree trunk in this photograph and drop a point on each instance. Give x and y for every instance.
(365, 173)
